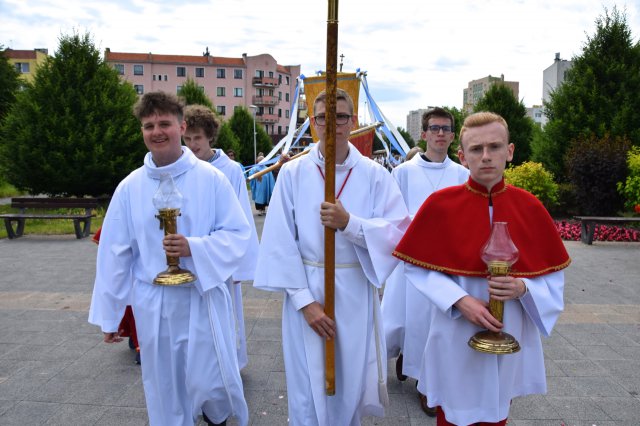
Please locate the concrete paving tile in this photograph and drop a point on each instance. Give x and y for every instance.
(76, 415)
(277, 381)
(628, 352)
(552, 368)
(557, 353)
(263, 347)
(581, 368)
(599, 352)
(271, 403)
(18, 389)
(577, 408)
(596, 386)
(54, 390)
(617, 339)
(133, 396)
(385, 421)
(86, 392)
(5, 405)
(426, 421)
(533, 407)
(269, 420)
(620, 408)
(123, 416)
(621, 368)
(28, 413)
(631, 384)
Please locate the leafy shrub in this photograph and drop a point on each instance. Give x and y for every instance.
(595, 165)
(534, 178)
(630, 189)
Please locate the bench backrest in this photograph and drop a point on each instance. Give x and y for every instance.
(54, 203)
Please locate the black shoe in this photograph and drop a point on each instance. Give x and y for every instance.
(137, 359)
(131, 345)
(399, 374)
(210, 423)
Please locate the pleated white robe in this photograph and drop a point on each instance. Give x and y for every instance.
(405, 311)
(233, 171)
(291, 260)
(478, 387)
(186, 333)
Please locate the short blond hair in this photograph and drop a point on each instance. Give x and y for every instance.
(482, 118)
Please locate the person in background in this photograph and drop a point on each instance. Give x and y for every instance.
(200, 137)
(261, 187)
(405, 311)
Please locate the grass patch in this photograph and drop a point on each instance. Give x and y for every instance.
(7, 190)
(51, 226)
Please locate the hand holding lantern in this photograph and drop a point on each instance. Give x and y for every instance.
(499, 253)
(168, 201)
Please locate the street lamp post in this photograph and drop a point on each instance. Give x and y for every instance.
(254, 108)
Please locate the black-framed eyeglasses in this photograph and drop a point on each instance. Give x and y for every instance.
(436, 129)
(341, 119)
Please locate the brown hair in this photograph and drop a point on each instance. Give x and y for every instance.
(480, 119)
(201, 117)
(158, 103)
(340, 95)
(437, 112)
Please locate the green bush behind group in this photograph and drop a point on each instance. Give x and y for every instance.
(71, 132)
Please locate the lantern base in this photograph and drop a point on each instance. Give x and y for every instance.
(174, 276)
(494, 343)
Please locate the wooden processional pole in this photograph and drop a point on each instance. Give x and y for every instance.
(330, 189)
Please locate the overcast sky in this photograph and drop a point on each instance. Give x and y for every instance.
(417, 53)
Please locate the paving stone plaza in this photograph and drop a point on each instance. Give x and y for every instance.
(55, 370)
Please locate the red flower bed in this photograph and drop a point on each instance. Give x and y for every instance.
(570, 231)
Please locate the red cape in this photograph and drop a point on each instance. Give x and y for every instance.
(451, 227)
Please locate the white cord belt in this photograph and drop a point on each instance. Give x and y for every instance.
(337, 265)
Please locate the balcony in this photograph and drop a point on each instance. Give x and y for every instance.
(266, 100)
(265, 81)
(267, 118)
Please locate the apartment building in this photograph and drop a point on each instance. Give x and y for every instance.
(26, 61)
(257, 83)
(477, 88)
(414, 123)
(552, 78)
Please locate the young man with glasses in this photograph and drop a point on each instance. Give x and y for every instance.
(368, 217)
(405, 310)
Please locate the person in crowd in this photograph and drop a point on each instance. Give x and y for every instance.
(186, 332)
(200, 137)
(441, 250)
(368, 217)
(261, 187)
(405, 310)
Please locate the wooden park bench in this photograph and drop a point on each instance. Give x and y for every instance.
(81, 221)
(588, 224)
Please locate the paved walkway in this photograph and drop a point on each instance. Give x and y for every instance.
(55, 370)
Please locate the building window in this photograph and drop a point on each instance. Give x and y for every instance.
(237, 108)
(201, 88)
(259, 73)
(200, 72)
(220, 73)
(222, 110)
(181, 71)
(286, 97)
(279, 112)
(22, 67)
(286, 113)
(286, 79)
(237, 92)
(139, 88)
(271, 74)
(286, 129)
(220, 91)
(279, 96)
(178, 89)
(154, 77)
(119, 68)
(237, 74)
(165, 77)
(279, 78)
(279, 130)
(138, 70)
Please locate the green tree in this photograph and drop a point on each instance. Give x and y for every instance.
(599, 95)
(241, 123)
(500, 100)
(194, 94)
(227, 139)
(407, 137)
(9, 83)
(72, 132)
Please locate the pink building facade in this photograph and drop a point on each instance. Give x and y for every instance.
(229, 82)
